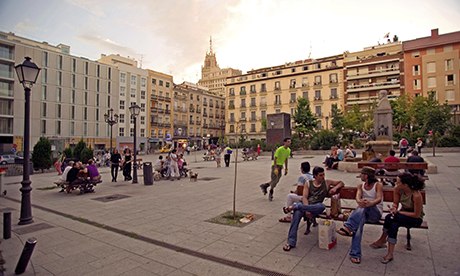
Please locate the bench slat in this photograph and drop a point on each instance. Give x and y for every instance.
(395, 166)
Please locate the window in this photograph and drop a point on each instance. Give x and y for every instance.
(277, 99)
(277, 85)
(263, 87)
(85, 113)
(45, 59)
(304, 82)
(97, 129)
(416, 54)
(333, 78)
(74, 65)
(263, 114)
(450, 95)
(334, 93)
(122, 77)
(74, 81)
(417, 84)
(43, 109)
(58, 127)
(253, 102)
(143, 107)
(143, 95)
(122, 91)
(86, 98)
(133, 93)
(317, 80)
(305, 95)
(231, 92)
(109, 86)
(97, 115)
(161, 83)
(59, 62)
(58, 94)
(431, 82)
(43, 126)
(109, 73)
(44, 93)
(133, 80)
(98, 85)
(72, 97)
(72, 128)
(232, 129)
(243, 116)
(86, 68)
(232, 117)
(317, 95)
(109, 102)
(431, 67)
(450, 79)
(72, 112)
(167, 84)
(121, 118)
(253, 115)
(98, 70)
(122, 105)
(142, 120)
(318, 111)
(121, 131)
(416, 70)
(86, 83)
(449, 64)
(292, 83)
(253, 88)
(44, 74)
(243, 103)
(293, 98)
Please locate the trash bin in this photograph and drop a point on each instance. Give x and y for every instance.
(148, 173)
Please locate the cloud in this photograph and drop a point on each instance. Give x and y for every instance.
(93, 7)
(106, 44)
(25, 27)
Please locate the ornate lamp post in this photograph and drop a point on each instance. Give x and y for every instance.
(135, 110)
(111, 119)
(27, 74)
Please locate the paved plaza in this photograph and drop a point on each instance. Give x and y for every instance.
(163, 229)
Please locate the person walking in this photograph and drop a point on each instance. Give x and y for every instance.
(280, 158)
(228, 151)
(115, 159)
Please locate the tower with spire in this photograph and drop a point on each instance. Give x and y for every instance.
(212, 76)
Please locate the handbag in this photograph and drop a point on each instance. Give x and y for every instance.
(327, 238)
(335, 206)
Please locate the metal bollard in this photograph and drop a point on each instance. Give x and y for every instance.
(25, 255)
(6, 225)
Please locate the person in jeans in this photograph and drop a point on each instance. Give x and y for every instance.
(369, 197)
(312, 202)
(281, 157)
(407, 193)
(115, 159)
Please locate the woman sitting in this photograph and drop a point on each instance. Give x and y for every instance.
(407, 192)
(93, 173)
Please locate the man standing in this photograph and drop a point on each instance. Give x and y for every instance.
(369, 197)
(227, 152)
(312, 202)
(281, 157)
(403, 144)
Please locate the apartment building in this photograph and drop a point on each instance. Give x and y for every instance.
(67, 101)
(367, 72)
(205, 112)
(161, 91)
(132, 90)
(432, 64)
(250, 97)
(212, 76)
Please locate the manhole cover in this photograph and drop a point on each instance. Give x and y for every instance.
(110, 198)
(32, 228)
(207, 178)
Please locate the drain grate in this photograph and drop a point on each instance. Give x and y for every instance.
(110, 198)
(32, 228)
(207, 178)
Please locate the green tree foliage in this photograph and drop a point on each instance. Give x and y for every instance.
(78, 149)
(324, 140)
(401, 113)
(86, 154)
(68, 152)
(305, 121)
(354, 119)
(337, 121)
(41, 157)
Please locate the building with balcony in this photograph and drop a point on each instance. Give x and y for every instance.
(132, 90)
(250, 97)
(371, 70)
(160, 88)
(68, 100)
(432, 64)
(212, 76)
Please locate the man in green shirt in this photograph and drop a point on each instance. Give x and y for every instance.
(281, 157)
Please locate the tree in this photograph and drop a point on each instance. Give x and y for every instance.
(86, 154)
(78, 149)
(337, 120)
(41, 157)
(354, 119)
(437, 119)
(305, 121)
(401, 113)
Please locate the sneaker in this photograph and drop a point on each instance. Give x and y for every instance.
(270, 195)
(264, 187)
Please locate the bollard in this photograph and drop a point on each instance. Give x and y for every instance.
(25, 255)
(6, 225)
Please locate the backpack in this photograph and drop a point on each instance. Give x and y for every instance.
(404, 143)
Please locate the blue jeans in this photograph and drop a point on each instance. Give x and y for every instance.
(356, 224)
(299, 211)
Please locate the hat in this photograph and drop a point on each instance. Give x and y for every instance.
(368, 171)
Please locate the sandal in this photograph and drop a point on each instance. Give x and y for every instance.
(286, 210)
(285, 219)
(385, 261)
(355, 260)
(344, 231)
(377, 246)
(287, 247)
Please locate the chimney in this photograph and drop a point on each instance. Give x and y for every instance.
(434, 32)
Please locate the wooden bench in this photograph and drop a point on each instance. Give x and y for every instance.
(389, 167)
(86, 186)
(350, 194)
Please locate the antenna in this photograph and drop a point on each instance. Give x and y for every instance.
(210, 44)
(140, 61)
(309, 52)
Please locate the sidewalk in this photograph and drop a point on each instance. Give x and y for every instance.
(162, 229)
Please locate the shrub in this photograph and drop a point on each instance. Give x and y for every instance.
(86, 154)
(41, 157)
(449, 141)
(324, 139)
(68, 152)
(78, 149)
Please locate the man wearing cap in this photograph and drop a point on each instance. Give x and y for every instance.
(369, 197)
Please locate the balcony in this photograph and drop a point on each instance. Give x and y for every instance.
(278, 103)
(231, 106)
(192, 122)
(373, 86)
(211, 105)
(318, 98)
(211, 116)
(243, 106)
(263, 104)
(277, 89)
(317, 83)
(374, 73)
(205, 114)
(334, 97)
(167, 111)
(305, 85)
(292, 101)
(231, 94)
(242, 93)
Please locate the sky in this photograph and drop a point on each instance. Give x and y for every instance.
(172, 36)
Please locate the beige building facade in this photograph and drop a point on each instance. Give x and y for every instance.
(252, 96)
(367, 72)
(67, 102)
(212, 76)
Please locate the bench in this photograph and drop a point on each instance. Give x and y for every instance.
(86, 186)
(350, 194)
(388, 168)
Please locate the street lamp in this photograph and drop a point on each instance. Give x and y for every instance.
(135, 110)
(111, 119)
(27, 74)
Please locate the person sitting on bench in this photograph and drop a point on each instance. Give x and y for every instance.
(407, 193)
(93, 173)
(369, 197)
(414, 157)
(312, 202)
